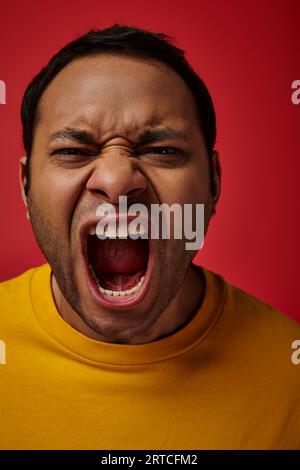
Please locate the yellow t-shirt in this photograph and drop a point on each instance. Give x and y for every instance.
(224, 381)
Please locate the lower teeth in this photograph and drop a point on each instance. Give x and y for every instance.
(116, 293)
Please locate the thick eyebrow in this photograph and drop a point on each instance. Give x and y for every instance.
(163, 133)
(76, 135)
(147, 136)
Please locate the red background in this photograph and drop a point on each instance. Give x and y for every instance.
(248, 54)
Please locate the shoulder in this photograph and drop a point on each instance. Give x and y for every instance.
(15, 295)
(255, 329)
(12, 288)
(272, 321)
(245, 307)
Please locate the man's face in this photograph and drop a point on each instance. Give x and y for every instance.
(119, 101)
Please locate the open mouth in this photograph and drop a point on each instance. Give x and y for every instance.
(118, 269)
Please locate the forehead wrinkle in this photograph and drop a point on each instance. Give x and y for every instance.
(131, 130)
(102, 125)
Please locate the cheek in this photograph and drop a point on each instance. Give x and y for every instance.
(56, 192)
(185, 186)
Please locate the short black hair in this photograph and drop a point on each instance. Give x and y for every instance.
(121, 40)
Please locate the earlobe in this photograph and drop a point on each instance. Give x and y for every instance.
(22, 181)
(215, 180)
(217, 173)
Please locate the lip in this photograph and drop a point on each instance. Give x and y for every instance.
(115, 302)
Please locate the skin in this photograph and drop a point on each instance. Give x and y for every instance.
(115, 98)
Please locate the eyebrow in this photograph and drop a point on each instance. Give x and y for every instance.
(76, 135)
(145, 137)
(154, 135)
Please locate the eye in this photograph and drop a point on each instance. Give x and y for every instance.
(72, 151)
(164, 157)
(73, 157)
(163, 150)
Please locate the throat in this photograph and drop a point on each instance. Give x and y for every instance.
(118, 264)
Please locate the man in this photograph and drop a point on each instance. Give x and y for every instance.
(122, 343)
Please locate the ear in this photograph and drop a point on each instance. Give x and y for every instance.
(22, 180)
(216, 176)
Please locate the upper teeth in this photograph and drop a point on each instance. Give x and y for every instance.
(92, 231)
(119, 232)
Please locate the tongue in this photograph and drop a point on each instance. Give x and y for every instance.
(118, 264)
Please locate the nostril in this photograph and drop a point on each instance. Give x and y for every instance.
(114, 199)
(99, 192)
(134, 192)
(131, 192)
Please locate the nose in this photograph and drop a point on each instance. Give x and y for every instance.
(116, 174)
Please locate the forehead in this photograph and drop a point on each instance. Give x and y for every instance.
(116, 93)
